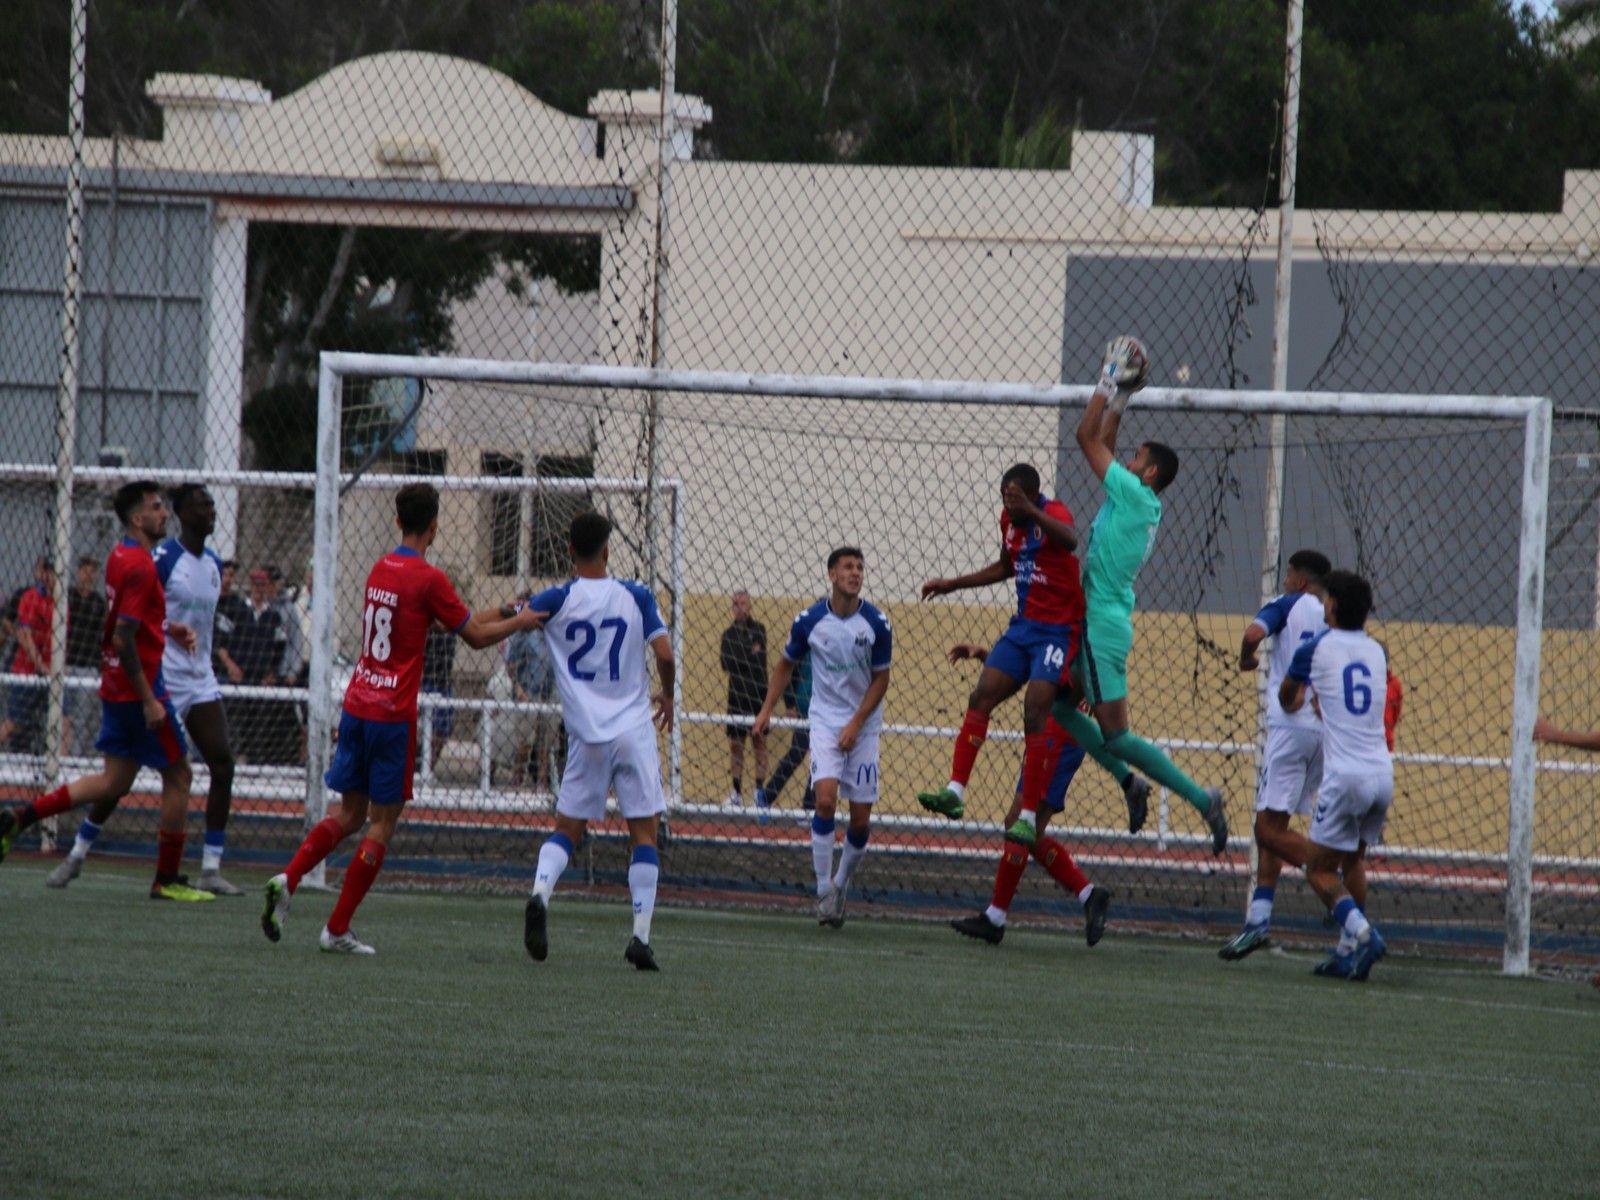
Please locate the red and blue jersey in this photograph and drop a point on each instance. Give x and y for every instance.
(1048, 588)
(134, 594)
(404, 596)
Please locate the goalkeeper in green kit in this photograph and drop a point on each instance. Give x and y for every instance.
(1120, 540)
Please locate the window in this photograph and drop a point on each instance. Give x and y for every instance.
(505, 513)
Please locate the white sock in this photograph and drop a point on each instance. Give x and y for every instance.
(960, 789)
(822, 852)
(849, 859)
(1083, 896)
(211, 852)
(1356, 924)
(1347, 943)
(997, 916)
(84, 842)
(643, 873)
(1030, 818)
(554, 856)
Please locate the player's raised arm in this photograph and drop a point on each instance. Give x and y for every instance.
(1124, 371)
(996, 572)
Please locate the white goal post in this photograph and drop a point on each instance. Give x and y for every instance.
(1532, 414)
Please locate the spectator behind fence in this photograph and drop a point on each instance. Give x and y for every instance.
(438, 665)
(744, 658)
(86, 619)
(256, 647)
(232, 609)
(23, 727)
(540, 736)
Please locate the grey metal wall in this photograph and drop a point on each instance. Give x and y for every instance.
(1428, 509)
(143, 337)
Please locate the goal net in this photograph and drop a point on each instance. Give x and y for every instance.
(725, 484)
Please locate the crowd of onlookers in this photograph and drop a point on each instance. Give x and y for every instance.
(262, 639)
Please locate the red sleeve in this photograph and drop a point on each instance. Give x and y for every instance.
(139, 593)
(444, 606)
(1059, 511)
(1005, 536)
(33, 611)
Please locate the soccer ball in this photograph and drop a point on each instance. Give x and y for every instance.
(1128, 363)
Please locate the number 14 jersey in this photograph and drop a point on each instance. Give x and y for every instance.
(597, 631)
(404, 596)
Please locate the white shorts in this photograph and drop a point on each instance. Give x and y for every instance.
(1291, 770)
(186, 693)
(1352, 811)
(856, 771)
(628, 765)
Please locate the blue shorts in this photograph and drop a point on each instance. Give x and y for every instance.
(1032, 650)
(1055, 796)
(374, 758)
(443, 718)
(123, 734)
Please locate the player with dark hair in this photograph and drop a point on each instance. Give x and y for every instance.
(191, 579)
(1037, 540)
(376, 754)
(1345, 669)
(1291, 759)
(1063, 760)
(598, 629)
(851, 647)
(138, 724)
(1119, 542)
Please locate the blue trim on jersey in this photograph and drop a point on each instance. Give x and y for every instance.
(1300, 667)
(654, 626)
(166, 558)
(130, 543)
(799, 643)
(550, 600)
(883, 636)
(405, 552)
(647, 855)
(1274, 615)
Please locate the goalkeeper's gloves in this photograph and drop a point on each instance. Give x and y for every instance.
(1123, 371)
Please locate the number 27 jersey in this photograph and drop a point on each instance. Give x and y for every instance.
(404, 596)
(597, 630)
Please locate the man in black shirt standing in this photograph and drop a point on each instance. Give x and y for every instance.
(744, 658)
(86, 625)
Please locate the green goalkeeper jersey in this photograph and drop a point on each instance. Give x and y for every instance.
(1120, 539)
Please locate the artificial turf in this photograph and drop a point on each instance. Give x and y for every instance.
(163, 1049)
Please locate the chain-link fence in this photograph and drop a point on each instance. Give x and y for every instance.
(805, 189)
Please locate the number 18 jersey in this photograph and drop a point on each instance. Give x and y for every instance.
(597, 631)
(404, 596)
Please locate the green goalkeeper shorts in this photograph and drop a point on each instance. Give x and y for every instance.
(1102, 662)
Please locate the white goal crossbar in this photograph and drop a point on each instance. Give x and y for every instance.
(1532, 413)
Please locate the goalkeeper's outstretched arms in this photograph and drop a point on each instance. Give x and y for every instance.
(1123, 372)
(1544, 731)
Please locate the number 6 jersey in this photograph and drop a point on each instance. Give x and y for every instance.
(404, 596)
(597, 631)
(1345, 668)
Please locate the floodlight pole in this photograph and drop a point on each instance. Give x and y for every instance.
(658, 275)
(67, 398)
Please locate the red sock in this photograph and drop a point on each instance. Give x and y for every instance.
(1013, 862)
(1053, 856)
(319, 843)
(358, 877)
(169, 854)
(1039, 756)
(47, 805)
(974, 728)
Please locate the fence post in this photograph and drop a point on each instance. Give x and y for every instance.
(324, 584)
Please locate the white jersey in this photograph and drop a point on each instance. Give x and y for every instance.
(1291, 620)
(1347, 669)
(846, 652)
(597, 632)
(193, 583)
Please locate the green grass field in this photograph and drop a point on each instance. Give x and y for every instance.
(171, 1050)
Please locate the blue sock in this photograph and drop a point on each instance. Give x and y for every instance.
(1260, 907)
(84, 842)
(211, 853)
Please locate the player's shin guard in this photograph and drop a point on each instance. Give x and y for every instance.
(358, 877)
(974, 729)
(318, 844)
(1039, 755)
(554, 856)
(855, 849)
(169, 854)
(1013, 862)
(1055, 858)
(643, 873)
(48, 805)
(822, 852)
